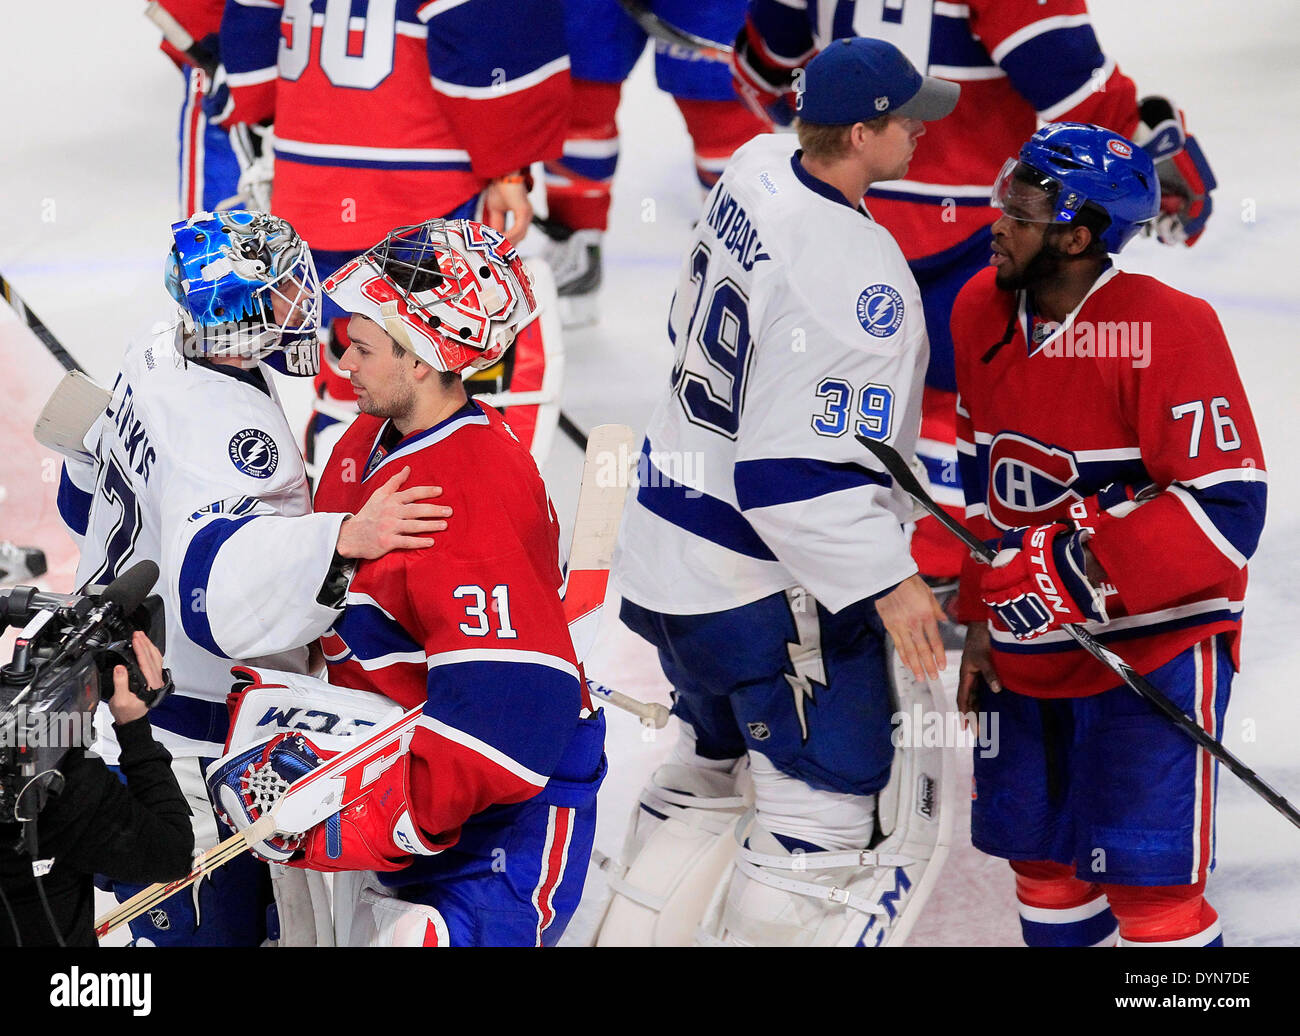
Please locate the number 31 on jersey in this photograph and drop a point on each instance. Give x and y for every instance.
(479, 623)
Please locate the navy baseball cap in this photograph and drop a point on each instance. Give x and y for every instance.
(860, 79)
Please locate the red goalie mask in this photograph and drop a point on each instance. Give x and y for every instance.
(453, 292)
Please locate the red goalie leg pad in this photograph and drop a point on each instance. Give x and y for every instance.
(1164, 915)
(718, 128)
(1058, 909)
(578, 183)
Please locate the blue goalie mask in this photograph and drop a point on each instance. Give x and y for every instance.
(247, 288)
(1070, 167)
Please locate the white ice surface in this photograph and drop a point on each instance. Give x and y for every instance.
(87, 190)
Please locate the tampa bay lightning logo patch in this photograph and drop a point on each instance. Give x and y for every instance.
(254, 453)
(880, 310)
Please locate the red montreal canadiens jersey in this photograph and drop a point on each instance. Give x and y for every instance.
(200, 18)
(391, 112)
(1018, 61)
(1138, 383)
(472, 626)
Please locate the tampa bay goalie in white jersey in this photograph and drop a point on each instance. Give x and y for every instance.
(765, 555)
(190, 463)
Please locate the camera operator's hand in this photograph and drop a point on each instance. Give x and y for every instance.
(125, 705)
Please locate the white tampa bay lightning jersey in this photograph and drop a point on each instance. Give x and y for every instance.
(796, 324)
(196, 469)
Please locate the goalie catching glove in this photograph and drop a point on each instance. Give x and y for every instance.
(1186, 179)
(375, 831)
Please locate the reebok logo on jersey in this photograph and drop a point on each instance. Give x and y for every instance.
(254, 453)
(880, 310)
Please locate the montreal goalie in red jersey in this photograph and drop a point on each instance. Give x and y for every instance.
(1108, 448)
(482, 832)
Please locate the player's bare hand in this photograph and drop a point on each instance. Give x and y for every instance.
(976, 662)
(393, 519)
(125, 705)
(912, 616)
(508, 198)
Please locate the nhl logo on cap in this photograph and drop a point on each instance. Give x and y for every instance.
(254, 453)
(880, 310)
(882, 103)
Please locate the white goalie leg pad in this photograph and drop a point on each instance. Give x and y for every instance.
(843, 896)
(677, 848)
(369, 915)
(303, 904)
(778, 897)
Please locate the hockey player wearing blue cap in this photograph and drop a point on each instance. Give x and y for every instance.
(768, 573)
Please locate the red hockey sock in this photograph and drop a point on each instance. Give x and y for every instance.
(578, 183)
(1164, 915)
(718, 128)
(1058, 909)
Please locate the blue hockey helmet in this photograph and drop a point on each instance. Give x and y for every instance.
(247, 287)
(1081, 167)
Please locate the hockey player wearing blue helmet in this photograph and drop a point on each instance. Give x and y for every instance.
(191, 464)
(1110, 509)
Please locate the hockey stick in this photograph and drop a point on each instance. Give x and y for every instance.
(575, 434)
(652, 714)
(907, 479)
(595, 530)
(656, 28)
(38, 327)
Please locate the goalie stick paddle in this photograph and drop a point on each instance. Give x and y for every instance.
(595, 531)
(907, 480)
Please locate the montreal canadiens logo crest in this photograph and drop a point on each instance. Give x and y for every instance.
(880, 310)
(1118, 147)
(1028, 480)
(254, 453)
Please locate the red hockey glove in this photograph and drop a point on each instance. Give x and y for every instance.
(1038, 581)
(1186, 179)
(375, 833)
(766, 87)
